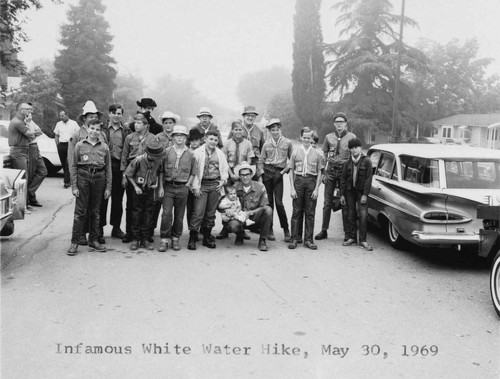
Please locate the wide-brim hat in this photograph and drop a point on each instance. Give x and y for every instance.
(146, 102)
(245, 166)
(155, 149)
(89, 107)
(273, 121)
(171, 115)
(180, 129)
(205, 111)
(195, 134)
(250, 109)
(339, 115)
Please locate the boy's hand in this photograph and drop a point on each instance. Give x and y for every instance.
(124, 182)
(138, 191)
(161, 192)
(76, 193)
(364, 199)
(293, 194)
(342, 200)
(314, 195)
(107, 194)
(197, 193)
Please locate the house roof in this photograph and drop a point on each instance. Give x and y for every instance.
(469, 119)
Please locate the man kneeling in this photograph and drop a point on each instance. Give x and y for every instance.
(253, 199)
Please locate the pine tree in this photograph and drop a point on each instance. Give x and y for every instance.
(363, 68)
(84, 65)
(308, 75)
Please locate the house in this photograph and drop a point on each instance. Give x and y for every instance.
(481, 130)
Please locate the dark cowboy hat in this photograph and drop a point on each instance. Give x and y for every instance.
(155, 149)
(195, 134)
(146, 102)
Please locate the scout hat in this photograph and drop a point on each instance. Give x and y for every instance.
(250, 109)
(355, 142)
(245, 166)
(204, 111)
(155, 149)
(339, 115)
(89, 107)
(180, 129)
(171, 115)
(195, 134)
(272, 122)
(146, 102)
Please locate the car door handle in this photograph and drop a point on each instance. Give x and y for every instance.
(378, 187)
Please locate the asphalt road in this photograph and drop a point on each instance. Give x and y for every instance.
(238, 312)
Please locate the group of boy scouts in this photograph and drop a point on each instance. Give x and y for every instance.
(167, 168)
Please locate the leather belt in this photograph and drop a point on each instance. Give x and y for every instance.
(91, 169)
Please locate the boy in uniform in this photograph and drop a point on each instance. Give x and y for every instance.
(144, 173)
(91, 182)
(179, 168)
(305, 178)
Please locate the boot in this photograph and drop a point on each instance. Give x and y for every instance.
(286, 232)
(223, 233)
(262, 244)
(193, 238)
(208, 239)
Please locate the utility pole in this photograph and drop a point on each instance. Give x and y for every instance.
(395, 134)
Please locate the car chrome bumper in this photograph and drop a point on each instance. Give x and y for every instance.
(451, 239)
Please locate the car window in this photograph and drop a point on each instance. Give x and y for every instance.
(420, 171)
(374, 157)
(386, 165)
(472, 174)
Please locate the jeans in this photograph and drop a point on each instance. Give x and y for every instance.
(117, 191)
(205, 206)
(332, 182)
(175, 199)
(304, 206)
(141, 214)
(36, 171)
(87, 205)
(62, 151)
(273, 181)
(357, 218)
(262, 219)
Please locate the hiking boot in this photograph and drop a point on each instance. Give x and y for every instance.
(127, 238)
(147, 245)
(349, 242)
(175, 245)
(134, 245)
(262, 244)
(366, 246)
(97, 246)
(271, 236)
(293, 244)
(163, 246)
(310, 245)
(83, 240)
(321, 235)
(288, 238)
(193, 238)
(72, 249)
(117, 233)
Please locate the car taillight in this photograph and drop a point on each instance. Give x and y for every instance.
(437, 216)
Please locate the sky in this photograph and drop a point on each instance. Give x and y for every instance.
(216, 42)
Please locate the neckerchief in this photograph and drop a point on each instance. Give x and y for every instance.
(304, 168)
(339, 137)
(355, 168)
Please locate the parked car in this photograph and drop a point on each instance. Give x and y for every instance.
(47, 147)
(429, 194)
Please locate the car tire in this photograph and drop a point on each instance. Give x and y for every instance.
(395, 238)
(8, 230)
(495, 283)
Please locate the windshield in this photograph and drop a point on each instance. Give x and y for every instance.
(472, 174)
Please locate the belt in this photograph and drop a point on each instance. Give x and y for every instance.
(176, 183)
(19, 147)
(209, 180)
(306, 176)
(271, 167)
(91, 169)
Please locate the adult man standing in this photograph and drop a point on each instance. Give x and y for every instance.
(146, 107)
(252, 133)
(211, 176)
(205, 125)
(63, 131)
(337, 152)
(115, 133)
(19, 136)
(254, 201)
(36, 166)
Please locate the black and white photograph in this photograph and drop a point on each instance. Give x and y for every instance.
(250, 189)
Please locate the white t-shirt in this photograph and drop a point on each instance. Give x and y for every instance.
(66, 130)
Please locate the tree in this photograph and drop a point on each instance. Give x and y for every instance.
(42, 90)
(282, 107)
(362, 72)
(308, 74)
(456, 82)
(84, 65)
(128, 90)
(258, 88)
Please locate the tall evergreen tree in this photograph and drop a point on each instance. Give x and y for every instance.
(363, 68)
(308, 74)
(84, 65)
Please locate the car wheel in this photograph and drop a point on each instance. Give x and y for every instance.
(495, 283)
(394, 237)
(8, 230)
